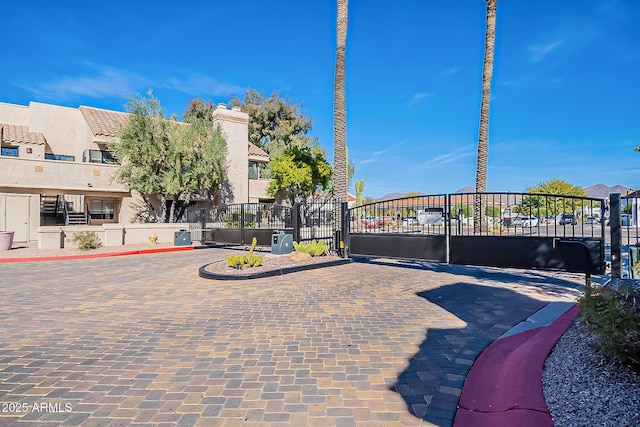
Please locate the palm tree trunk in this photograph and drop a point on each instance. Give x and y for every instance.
(479, 222)
(339, 107)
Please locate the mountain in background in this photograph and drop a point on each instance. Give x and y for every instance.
(597, 191)
(601, 191)
(467, 189)
(392, 196)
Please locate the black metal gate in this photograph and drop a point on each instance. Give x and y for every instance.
(238, 224)
(409, 228)
(517, 230)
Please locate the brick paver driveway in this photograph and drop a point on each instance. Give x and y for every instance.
(142, 340)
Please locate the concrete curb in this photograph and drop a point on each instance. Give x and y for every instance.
(504, 384)
(104, 255)
(202, 272)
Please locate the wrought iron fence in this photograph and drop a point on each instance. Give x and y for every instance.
(630, 231)
(411, 215)
(244, 215)
(307, 221)
(238, 216)
(526, 214)
(318, 220)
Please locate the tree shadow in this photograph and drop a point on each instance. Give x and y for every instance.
(432, 383)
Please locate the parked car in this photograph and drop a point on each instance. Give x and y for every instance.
(592, 220)
(525, 221)
(568, 219)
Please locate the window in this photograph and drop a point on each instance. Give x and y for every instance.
(258, 170)
(61, 157)
(10, 151)
(101, 156)
(253, 170)
(102, 209)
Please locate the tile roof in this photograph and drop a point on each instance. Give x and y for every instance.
(108, 123)
(254, 150)
(104, 122)
(20, 135)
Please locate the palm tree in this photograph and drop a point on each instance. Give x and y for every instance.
(340, 107)
(483, 136)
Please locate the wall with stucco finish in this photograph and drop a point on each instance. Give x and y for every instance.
(235, 127)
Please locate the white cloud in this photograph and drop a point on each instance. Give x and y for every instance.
(449, 71)
(107, 82)
(449, 157)
(203, 86)
(103, 82)
(418, 97)
(375, 156)
(540, 52)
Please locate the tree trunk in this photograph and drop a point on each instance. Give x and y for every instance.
(479, 221)
(163, 209)
(339, 107)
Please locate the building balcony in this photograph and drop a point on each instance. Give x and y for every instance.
(71, 177)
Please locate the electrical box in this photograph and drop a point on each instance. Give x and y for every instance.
(182, 238)
(281, 243)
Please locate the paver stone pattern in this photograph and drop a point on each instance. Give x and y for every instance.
(142, 340)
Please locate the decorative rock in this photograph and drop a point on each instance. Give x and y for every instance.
(299, 256)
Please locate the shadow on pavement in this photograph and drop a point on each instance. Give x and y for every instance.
(432, 383)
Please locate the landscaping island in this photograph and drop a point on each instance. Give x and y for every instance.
(272, 265)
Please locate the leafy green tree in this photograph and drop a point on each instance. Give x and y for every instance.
(300, 172)
(559, 187)
(492, 211)
(565, 198)
(198, 108)
(275, 123)
(465, 210)
(165, 160)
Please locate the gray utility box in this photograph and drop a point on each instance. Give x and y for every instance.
(281, 243)
(182, 238)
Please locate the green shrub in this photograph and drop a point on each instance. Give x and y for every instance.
(315, 248)
(232, 220)
(251, 260)
(612, 313)
(86, 240)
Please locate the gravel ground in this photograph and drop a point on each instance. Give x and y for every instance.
(269, 262)
(584, 388)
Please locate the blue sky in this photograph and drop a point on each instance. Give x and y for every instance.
(565, 92)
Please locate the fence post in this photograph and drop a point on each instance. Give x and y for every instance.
(242, 224)
(295, 221)
(615, 214)
(343, 243)
(447, 227)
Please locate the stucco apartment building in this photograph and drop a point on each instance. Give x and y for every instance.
(55, 165)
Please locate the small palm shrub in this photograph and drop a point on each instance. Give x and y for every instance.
(86, 240)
